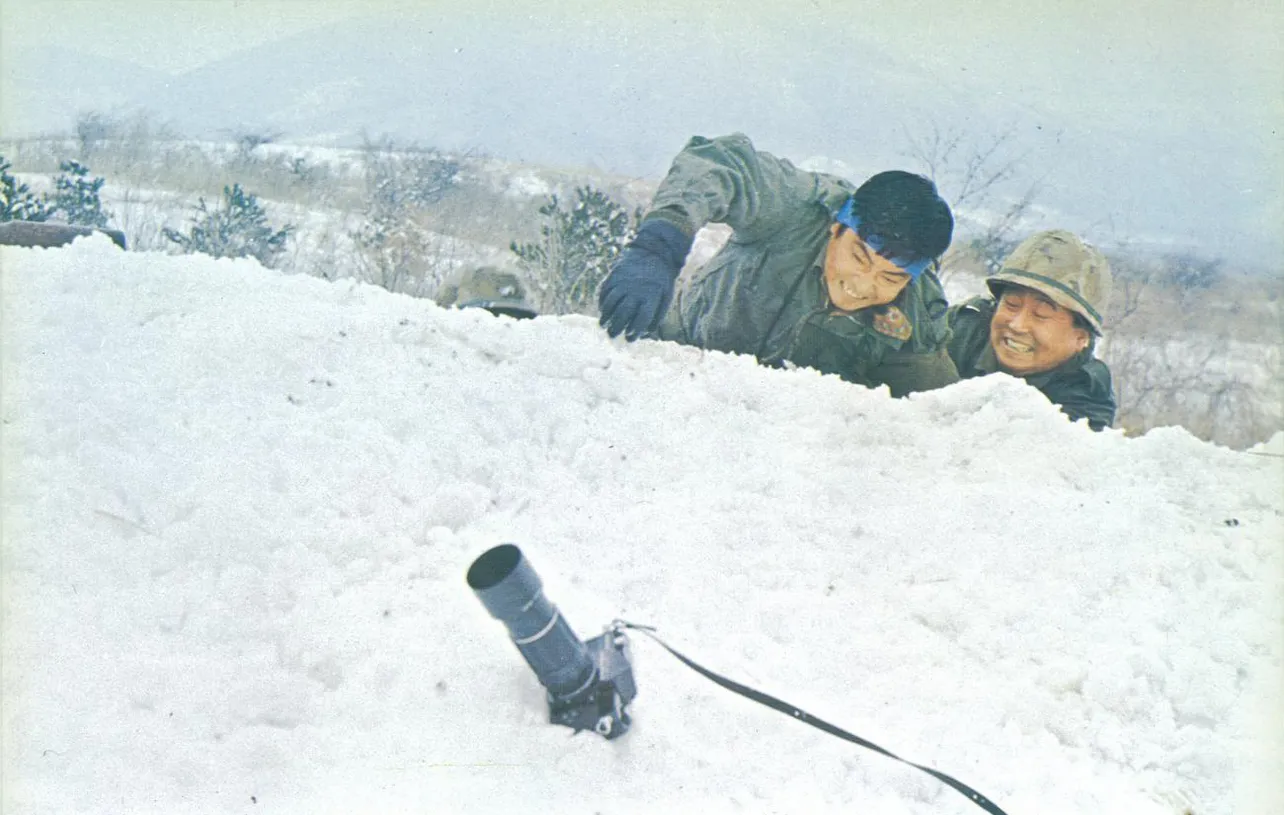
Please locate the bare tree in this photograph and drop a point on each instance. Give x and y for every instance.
(1133, 278)
(971, 175)
(966, 173)
(394, 248)
(248, 140)
(125, 142)
(1181, 353)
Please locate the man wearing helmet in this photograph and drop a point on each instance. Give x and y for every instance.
(1042, 324)
(817, 273)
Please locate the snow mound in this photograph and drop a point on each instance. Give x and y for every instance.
(238, 509)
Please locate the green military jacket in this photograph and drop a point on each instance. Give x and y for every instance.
(764, 292)
(1080, 385)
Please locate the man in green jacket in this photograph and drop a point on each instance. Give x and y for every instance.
(816, 272)
(1042, 324)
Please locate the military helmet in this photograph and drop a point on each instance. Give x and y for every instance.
(1073, 274)
(497, 290)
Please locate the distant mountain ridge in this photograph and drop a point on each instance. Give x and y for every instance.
(622, 97)
(47, 88)
(619, 99)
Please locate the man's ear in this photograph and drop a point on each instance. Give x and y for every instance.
(1083, 339)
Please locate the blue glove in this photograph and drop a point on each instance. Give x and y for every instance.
(639, 289)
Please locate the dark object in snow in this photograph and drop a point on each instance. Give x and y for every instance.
(517, 312)
(489, 287)
(1231, 521)
(589, 684)
(47, 235)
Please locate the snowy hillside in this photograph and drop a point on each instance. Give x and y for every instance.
(239, 506)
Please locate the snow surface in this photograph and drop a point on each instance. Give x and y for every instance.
(239, 506)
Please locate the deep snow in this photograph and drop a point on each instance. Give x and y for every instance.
(239, 506)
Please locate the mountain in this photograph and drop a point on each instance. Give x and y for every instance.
(45, 89)
(623, 98)
(591, 86)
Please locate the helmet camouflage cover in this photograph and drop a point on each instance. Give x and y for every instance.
(497, 290)
(1073, 274)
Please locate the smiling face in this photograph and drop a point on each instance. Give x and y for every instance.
(1031, 334)
(858, 277)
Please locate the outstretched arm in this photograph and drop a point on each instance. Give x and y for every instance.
(722, 180)
(726, 180)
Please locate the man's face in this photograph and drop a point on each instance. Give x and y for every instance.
(856, 276)
(1031, 334)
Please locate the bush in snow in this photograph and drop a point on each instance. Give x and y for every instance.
(76, 197)
(17, 203)
(394, 249)
(237, 228)
(575, 250)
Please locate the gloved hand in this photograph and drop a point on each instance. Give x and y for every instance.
(639, 289)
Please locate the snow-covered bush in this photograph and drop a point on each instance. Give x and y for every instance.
(395, 249)
(237, 228)
(17, 202)
(76, 198)
(575, 250)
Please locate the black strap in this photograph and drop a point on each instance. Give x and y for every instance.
(806, 718)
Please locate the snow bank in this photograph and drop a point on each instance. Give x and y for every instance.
(238, 509)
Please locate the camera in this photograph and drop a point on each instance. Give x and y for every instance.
(589, 684)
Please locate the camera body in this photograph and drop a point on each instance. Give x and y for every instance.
(602, 707)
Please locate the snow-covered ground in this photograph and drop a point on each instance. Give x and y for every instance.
(239, 506)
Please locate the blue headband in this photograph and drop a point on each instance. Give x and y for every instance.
(847, 217)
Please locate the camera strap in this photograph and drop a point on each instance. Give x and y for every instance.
(801, 715)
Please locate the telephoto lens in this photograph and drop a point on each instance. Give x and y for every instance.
(513, 594)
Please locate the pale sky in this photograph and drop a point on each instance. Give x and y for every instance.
(167, 35)
(1213, 69)
(1028, 40)
(1158, 55)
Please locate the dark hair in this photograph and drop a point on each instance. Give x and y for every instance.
(906, 212)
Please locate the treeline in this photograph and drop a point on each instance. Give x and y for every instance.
(1189, 341)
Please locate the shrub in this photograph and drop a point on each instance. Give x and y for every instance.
(576, 249)
(76, 197)
(17, 203)
(394, 248)
(238, 228)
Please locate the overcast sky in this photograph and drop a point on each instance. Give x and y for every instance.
(1198, 45)
(1220, 61)
(1210, 71)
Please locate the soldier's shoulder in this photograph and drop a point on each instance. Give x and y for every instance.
(970, 312)
(1098, 373)
(975, 305)
(968, 324)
